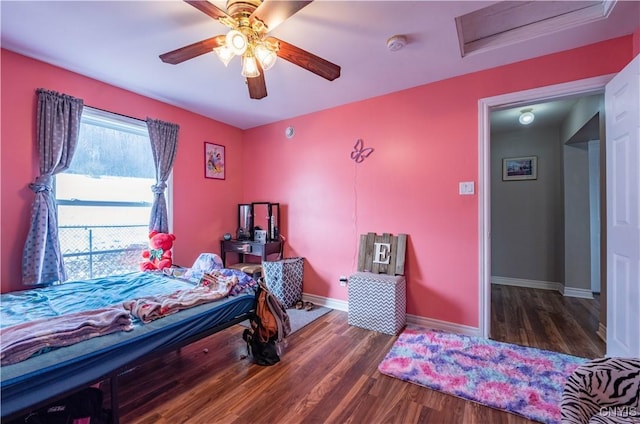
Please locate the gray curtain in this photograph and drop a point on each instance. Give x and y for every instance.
(57, 131)
(164, 145)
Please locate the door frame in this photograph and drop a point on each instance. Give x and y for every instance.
(485, 105)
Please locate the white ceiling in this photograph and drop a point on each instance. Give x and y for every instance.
(118, 42)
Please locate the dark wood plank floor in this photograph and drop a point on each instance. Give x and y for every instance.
(545, 319)
(329, 373)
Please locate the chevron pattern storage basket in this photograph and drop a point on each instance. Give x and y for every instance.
(284, 279)
(377, 302)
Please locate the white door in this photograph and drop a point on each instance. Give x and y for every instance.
(622, 105)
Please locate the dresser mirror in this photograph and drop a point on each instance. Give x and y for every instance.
(260, 216)
(274, 213)
(245, 222)
(266, 216)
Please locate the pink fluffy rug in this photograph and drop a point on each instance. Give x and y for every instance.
(521, 380)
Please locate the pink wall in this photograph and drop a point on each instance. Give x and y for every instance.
(426, 142)
(204, 209)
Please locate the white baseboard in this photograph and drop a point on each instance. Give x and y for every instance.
(436, 324)
(342, 305)
(574, 292)
(532, 284)
(544, 285)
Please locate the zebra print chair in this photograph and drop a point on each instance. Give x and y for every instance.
(604, 390)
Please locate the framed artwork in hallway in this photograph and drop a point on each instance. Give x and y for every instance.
(522, 168)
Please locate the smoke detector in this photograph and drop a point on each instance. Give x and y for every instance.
(396, 42)
(289, 132)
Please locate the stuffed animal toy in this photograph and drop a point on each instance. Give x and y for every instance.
(159, 253)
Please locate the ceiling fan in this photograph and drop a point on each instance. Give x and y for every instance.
(250, 21)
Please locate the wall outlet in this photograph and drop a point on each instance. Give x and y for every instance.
(343, 280)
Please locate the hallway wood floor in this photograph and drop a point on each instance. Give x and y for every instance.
(545, 319)
(329, 374)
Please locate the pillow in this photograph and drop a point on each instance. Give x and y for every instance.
(205, 264)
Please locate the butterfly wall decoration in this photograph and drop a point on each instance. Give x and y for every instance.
(360, 152)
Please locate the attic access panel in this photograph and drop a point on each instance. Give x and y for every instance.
(509, 22)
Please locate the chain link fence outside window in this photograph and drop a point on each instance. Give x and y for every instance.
(98, 251)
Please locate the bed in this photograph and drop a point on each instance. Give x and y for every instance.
(51, 373)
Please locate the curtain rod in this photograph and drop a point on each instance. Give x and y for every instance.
(116, 113)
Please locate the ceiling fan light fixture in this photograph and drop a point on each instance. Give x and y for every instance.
(224, 53)
(248, 23)
(526, 117)
(236, 41)
(250, 67)
(265, 56)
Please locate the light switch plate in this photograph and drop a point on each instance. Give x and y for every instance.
(467, 188)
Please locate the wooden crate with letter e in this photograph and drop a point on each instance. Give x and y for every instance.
(377, 292)
(382, 254)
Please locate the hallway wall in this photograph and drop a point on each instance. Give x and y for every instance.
(541, 229)
(527, 216)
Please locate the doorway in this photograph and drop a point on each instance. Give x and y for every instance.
(486, 106)
(545, 224)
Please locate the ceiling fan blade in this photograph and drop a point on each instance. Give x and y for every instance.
(274, 12)
(192, 50)
(257, 86)
(306, 60)
(208, 9)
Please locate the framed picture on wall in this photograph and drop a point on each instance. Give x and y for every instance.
(524, 168)
(214, 165)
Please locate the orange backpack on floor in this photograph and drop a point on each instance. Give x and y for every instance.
(270, 325)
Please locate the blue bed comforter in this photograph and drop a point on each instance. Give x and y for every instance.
(80, 296)
(66, 368)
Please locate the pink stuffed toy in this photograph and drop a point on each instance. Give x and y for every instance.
(159, 253)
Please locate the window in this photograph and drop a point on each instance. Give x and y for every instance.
(104, 198)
